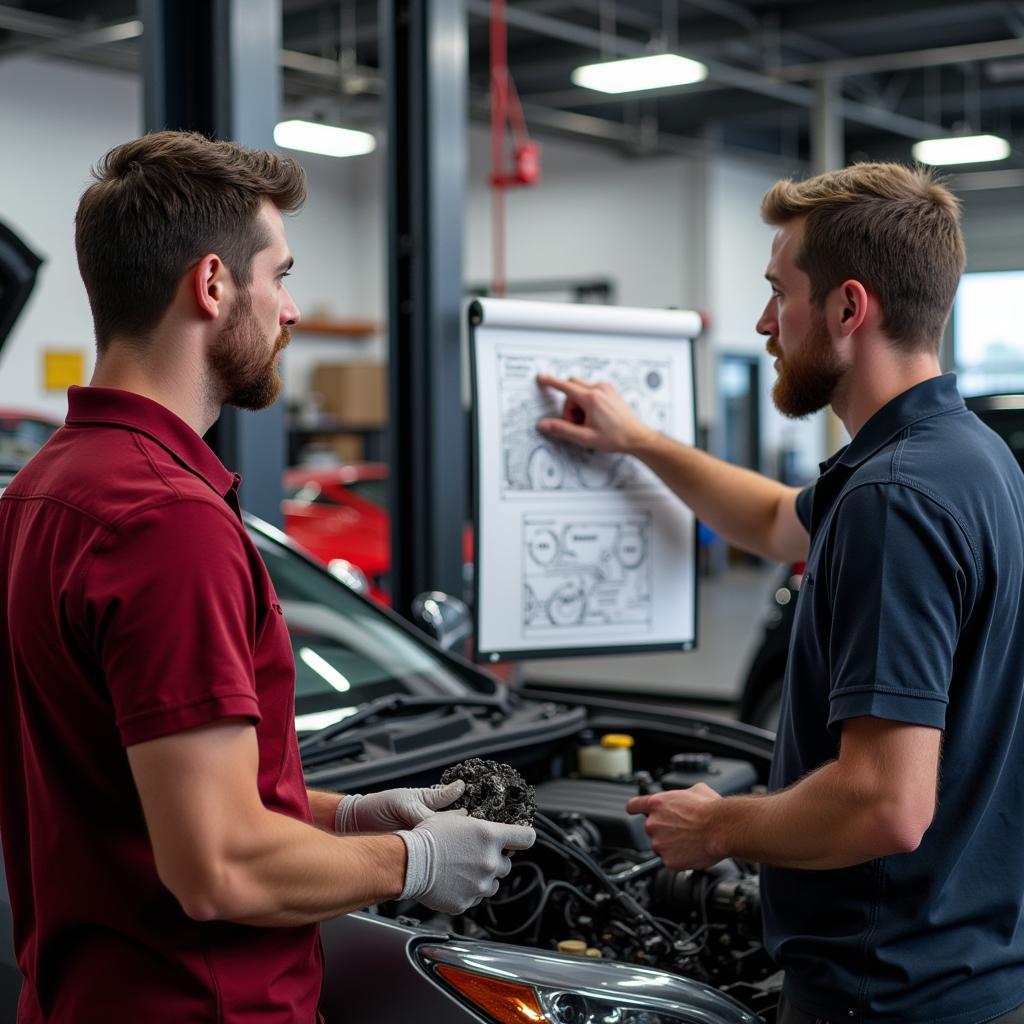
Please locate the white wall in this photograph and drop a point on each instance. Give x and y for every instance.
(595, 214)
(58, 119)
(738, 249)
(332, 245)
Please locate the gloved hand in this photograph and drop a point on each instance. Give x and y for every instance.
(394, 808)
(455, 861)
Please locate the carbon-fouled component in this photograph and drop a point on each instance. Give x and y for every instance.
(494, 791)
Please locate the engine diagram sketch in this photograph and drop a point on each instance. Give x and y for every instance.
(533, 464)
(586, 571)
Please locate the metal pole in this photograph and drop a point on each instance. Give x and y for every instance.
(212, 67)
(828, 154)
(426, 61)
(827, 143)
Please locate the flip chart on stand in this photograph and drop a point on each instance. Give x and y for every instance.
(578, 551)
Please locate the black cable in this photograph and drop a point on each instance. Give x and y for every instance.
(551, 887)
(583, 857)
(538, 879)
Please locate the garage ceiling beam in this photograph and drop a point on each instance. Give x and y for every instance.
(15, 19)
(960, 54)
(883, 17)
(75, 39)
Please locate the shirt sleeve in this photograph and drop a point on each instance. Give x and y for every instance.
(804, 504)
(900, 577)
(169, 611)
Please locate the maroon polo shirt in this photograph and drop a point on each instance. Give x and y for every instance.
(134, 606)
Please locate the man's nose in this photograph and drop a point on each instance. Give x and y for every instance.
(290, 315)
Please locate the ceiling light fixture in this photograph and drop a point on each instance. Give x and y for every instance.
(635, 74)
(961, 149)
(325, 139)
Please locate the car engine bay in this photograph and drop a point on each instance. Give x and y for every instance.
(592, 886)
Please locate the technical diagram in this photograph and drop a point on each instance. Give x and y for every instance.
(534, 464)
(578, 551)
(589, 572)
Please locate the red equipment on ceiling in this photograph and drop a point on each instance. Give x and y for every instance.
(506, 111)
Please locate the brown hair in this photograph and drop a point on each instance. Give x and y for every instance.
(157, 206)
(895, 229)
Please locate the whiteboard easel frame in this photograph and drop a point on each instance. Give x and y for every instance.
(473, 318)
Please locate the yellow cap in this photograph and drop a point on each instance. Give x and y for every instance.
(574, 947)
(616, 740)
(594, 953)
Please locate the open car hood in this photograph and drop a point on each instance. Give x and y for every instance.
(18, 268)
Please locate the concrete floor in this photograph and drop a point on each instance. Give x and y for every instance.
(731, 609)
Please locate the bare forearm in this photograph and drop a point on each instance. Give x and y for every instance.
(822, 822)
(324, 807)
(746, 508)
(282, 873)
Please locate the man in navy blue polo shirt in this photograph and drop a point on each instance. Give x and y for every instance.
(893, 882)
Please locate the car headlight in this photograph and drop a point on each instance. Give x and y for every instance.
(509, 985)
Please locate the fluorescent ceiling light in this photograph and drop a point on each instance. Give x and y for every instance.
(638, 73)
(961, 149)
(325, 139)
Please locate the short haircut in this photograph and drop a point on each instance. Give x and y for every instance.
(894, 228)
(158, 205)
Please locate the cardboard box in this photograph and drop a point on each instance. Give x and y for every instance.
(348, 447)
(356, 393)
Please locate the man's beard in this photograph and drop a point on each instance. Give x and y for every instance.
(809, 375)
(243, 374)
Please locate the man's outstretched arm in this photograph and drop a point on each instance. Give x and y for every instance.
(745, 508)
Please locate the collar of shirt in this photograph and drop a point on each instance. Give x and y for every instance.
(88, 406)
(931, 397)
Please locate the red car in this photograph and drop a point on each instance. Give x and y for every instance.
(340, 512)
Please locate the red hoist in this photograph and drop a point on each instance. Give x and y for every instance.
(506, 111)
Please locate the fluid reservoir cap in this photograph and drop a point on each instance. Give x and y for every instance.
(594, 953)
(616, 741)
(573, 947)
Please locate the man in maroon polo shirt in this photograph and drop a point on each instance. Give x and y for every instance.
(164, 859)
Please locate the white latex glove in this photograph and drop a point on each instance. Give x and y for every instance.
(394, 808)
(455, 861)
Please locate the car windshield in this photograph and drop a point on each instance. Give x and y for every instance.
(375, 491)
(347, 652)
(371, 490)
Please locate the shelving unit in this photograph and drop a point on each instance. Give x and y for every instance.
(302, 429)
(354, 329)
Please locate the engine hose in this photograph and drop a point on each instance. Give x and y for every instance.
(606, 880)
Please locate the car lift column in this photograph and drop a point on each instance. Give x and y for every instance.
(212, 66)
(425, 61)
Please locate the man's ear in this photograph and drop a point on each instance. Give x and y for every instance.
(209, 285)
(847, 307)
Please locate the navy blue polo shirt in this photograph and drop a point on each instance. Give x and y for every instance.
(912, 610)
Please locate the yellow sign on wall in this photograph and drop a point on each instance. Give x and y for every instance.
(62, 369)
